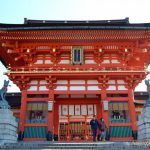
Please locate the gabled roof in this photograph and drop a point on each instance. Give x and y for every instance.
(64, 24)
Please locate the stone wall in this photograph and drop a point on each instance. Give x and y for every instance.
(8, 127)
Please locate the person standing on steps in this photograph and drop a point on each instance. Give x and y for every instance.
(103, 129)
(94, 126)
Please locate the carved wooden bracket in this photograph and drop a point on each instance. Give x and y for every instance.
(20, 81)
(133, 80)
(51, 82)
(103, 80)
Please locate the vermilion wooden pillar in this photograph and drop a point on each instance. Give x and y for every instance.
(105, 114)
(23, 110)
(132, 110)
(51, 113)
(56, 118)
(99, 109)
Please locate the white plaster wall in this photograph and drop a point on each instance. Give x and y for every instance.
(71, 109)
(122, 87)
(62, 82)
(39, 62)
(111, 88)
(48, 62)
(32, 88)
(92, 82)
(64, 109)
(77, 88)
(83, 109)
(111, 82)
(120, 82)
(90, 62)
(77, 110)
(62, 88)
(77, 81)
(64, 62)
(90, 110)
(106, 61)
(115, 61)
(43, 82)
(34, 82)
(93, 88)
(43, 88)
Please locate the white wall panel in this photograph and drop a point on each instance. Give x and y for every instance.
(43, 82)
(120, 82)
(39, 62)
(34, 82)
(83, 109)
(43, 88)
(92, 82)
(93, 88)
(71, 109)
(77, 88)
(90, 110)
(111, 88)
(122, 87)
(106, 61)
(77, 81)
(114, 61)
(64, 109)
(61, 88)
(48, 62)
(64, 62)
(90, 62)
(62, 82)
(111, 82)
(32, 88)
(77, 110)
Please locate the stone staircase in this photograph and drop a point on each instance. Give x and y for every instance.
(41, 145)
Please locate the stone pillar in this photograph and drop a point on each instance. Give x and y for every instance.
(144, 124)
(8, 126)
(144, 119)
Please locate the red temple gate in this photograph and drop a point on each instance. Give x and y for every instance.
(69, 72)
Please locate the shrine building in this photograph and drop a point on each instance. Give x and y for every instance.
(68, 71)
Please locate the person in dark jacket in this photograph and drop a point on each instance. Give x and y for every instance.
(103, 129)
(94, 126)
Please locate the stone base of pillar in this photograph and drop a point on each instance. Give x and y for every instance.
(8, 127)
(144, 125)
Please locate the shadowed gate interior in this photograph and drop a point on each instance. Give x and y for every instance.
(74, 118)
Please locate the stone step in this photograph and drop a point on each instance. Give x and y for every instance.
(78, 146)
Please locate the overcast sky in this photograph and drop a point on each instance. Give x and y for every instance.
(14, 11)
